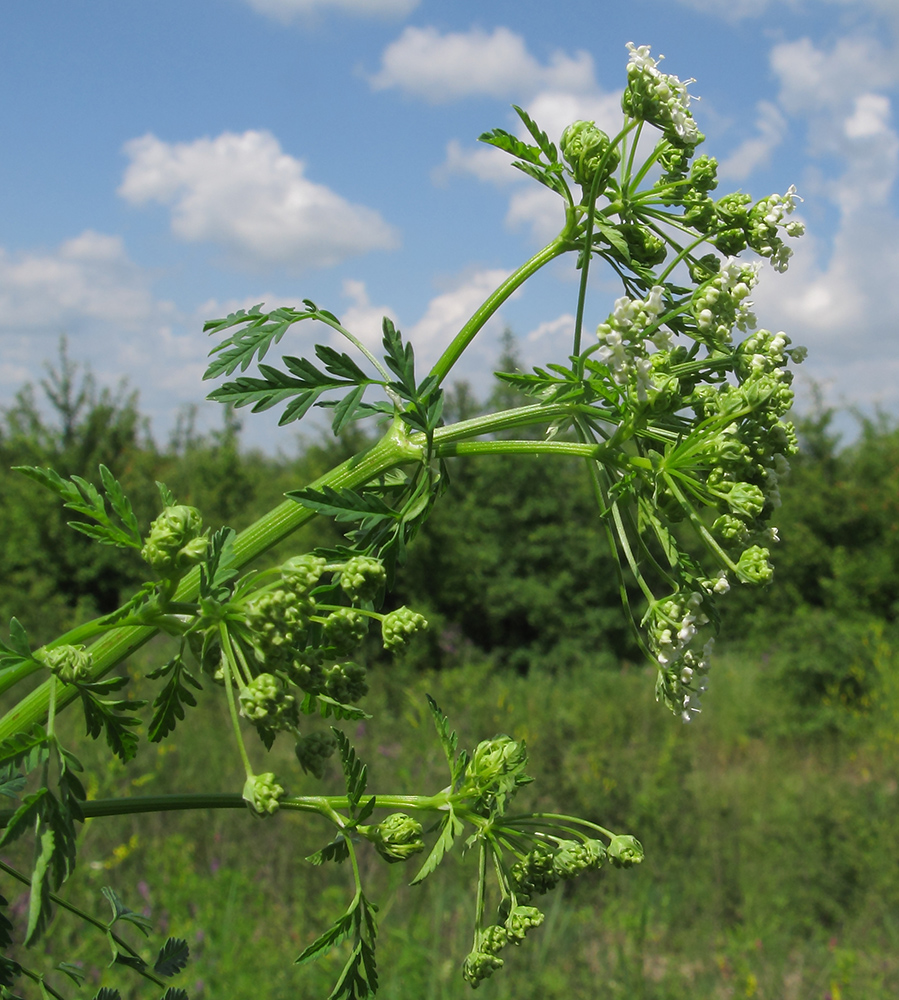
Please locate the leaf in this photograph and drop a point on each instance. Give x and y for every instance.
(169, 703)
(354, 770)
(11, 782)
(339, 931)
(328, 707)
(219, 570)
(540, 137)
(25, 817)
(25, 750)
(166, 495)
(39, 905)
(107, 993)
(510, 143)
(18, 650)
(175, 994)
(259, 332)
(100, 716)
(75, 972)
(450, 828)
(345, 410)
(121, 912)
(337, 851)
(172, 958)
(448, 740)
(5, 925)
(344, 505)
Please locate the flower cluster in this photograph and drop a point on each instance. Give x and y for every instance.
(262, 793)
(70, 664)
(722, 303)
(625, 336)
(589, 153)
(175, 541)
(658, 98)
(399, 626)
(682, 648)
(396, 838)
(484, 960)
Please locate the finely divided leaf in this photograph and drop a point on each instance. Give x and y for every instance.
(172, 958)
(18, 649)
(354, 770)
(169, 703)
(328, 707)
(339, 931)
(337, 851)
(25, 750)
(450, 828)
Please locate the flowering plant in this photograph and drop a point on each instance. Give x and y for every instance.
(676, 409)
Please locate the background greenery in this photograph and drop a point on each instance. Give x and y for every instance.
(770, 825)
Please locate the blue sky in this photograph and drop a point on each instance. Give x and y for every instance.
(166, 162)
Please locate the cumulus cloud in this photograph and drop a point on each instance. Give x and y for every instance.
(286, 11)
(841, 298)
(440, 68)
(243, 193)
(363, 319)
(448, 311)
(89, 278)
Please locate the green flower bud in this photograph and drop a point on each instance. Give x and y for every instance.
(313, 750)
(362, 577)
(754, 567)
(535, 875)
(344, 630)
(175, 542)
(345, 682)
(265, 701)
(587, 150)
(497, 758)
(396, 838)
(704, 173)
(306, 671)
(400, 625)
(625, 851)
(302, 573)
(643, 245)
(521, 920)
(573, 857)
(743, 499)
(479, 965)
(262, 794)
(70, 663)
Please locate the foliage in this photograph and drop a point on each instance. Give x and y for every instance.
(675, 412)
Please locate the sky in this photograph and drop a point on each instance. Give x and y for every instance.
(165, 163)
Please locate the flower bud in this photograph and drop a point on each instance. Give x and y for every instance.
(70, 663)
(587, 150)
(302, 573)
(396, 838)
(400, 625)
(313, 750)
(262, 794)
(362, 577)
(175, 541)
(625, 851)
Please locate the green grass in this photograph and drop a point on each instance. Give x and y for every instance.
(770, 865)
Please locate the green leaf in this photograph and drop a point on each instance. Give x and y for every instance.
(172, 958)
(100, 716)
(344, 505)
(354, 770)
(25, 750)
(18, 650)
(337, 851)
(107, 993)
(450, 828)
(339, 931)
(121, 912)
(166, 495)
(259, 332)
(25, 817)
(39, 904)
(169, 703)
(219, 570)
(328, 707)
(175, 994)
(75, 972)
(346, 409)
(5, 927)
(510, 143)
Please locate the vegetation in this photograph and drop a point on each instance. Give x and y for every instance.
(676, 412)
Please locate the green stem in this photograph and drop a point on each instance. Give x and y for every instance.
(561, 244)
(598, 452)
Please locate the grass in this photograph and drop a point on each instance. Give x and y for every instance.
(770, 865)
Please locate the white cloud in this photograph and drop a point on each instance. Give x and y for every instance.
(286, 11)
(88, 278)
(448, 312)
(756, 151)
(813, 80)
(362, 319)
(537, 208)
(561, 326)
(441, 68)
(245, 194)
(870, 117)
